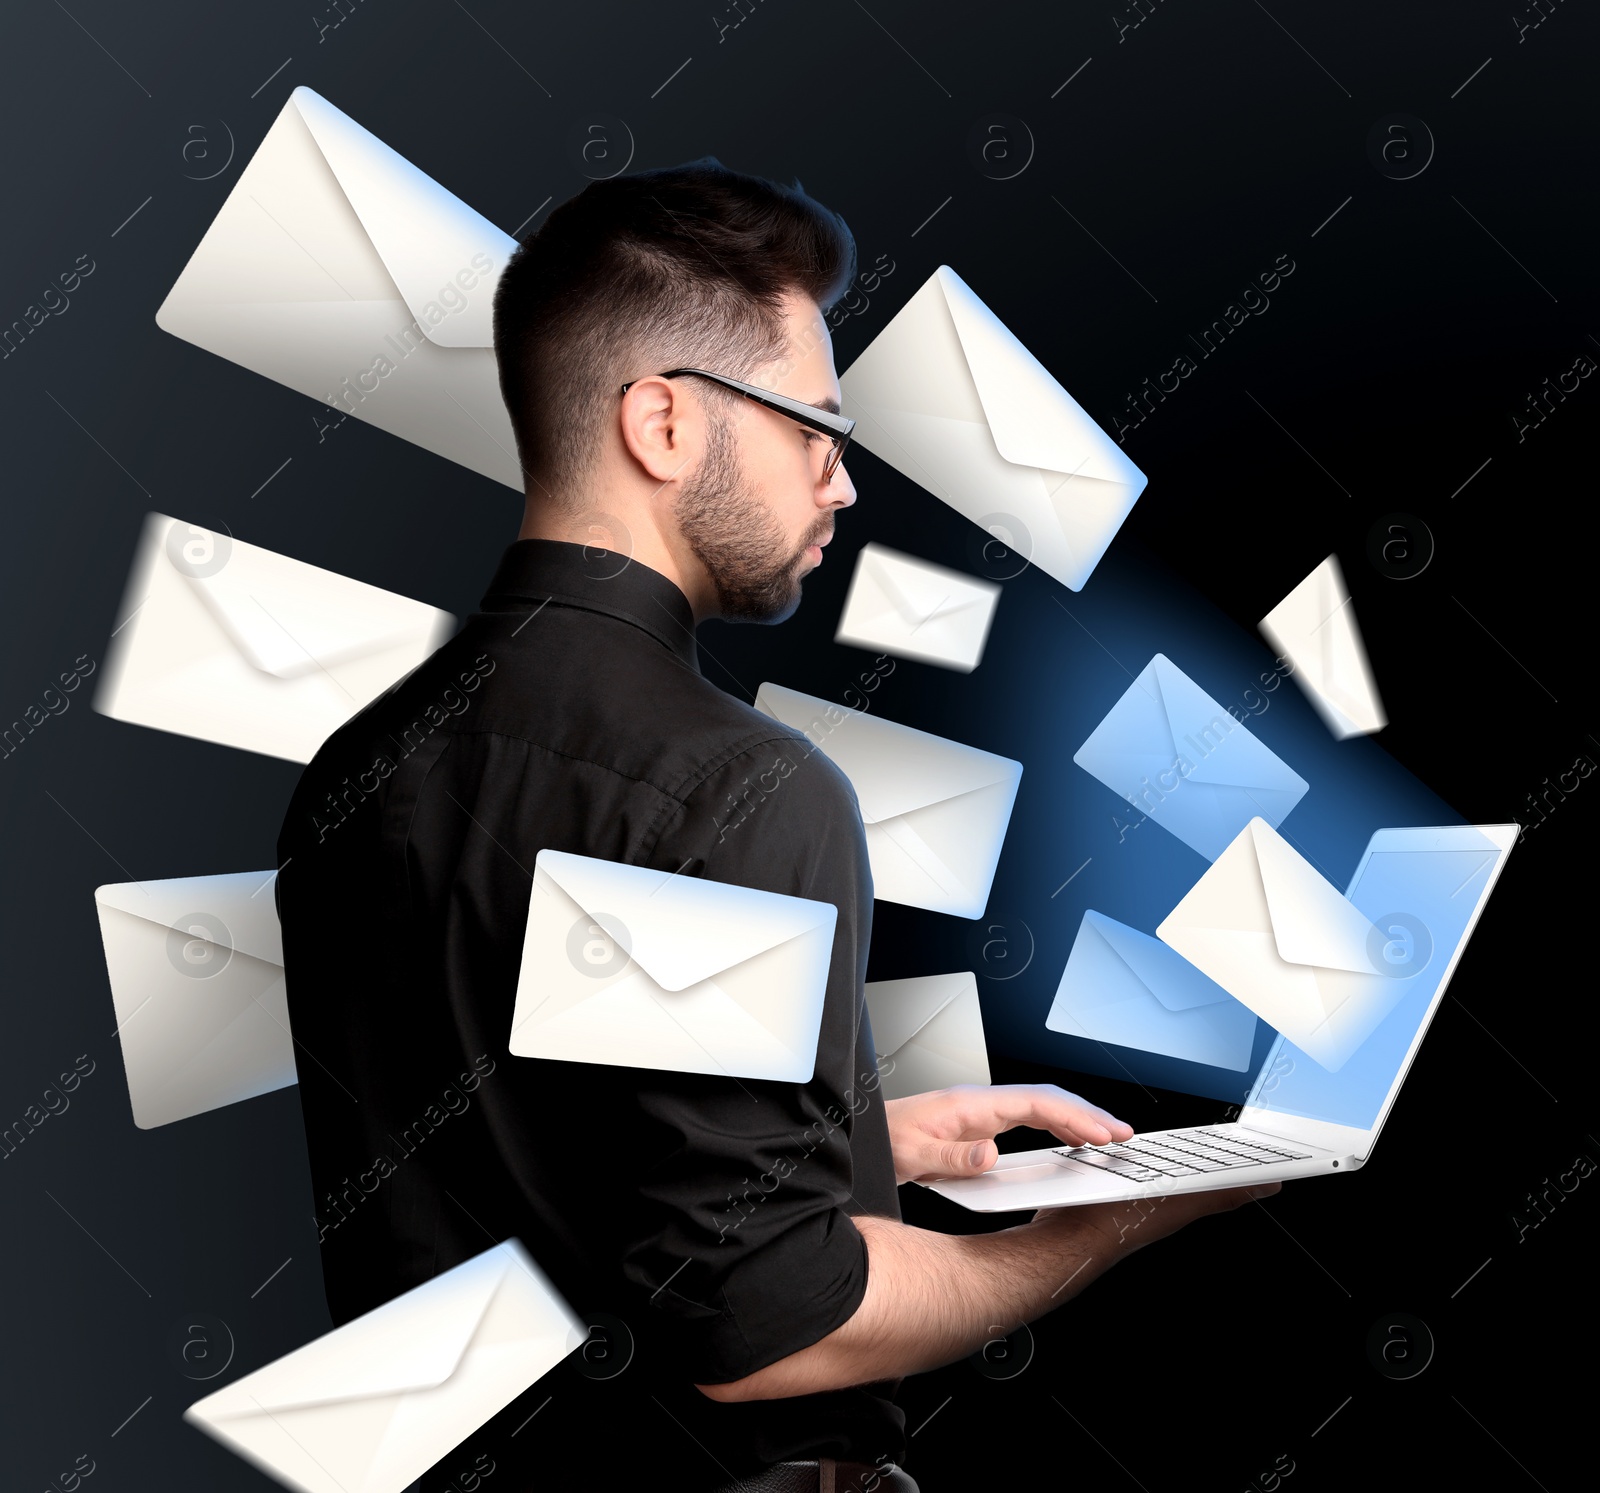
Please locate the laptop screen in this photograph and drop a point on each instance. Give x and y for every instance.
(1422, 889)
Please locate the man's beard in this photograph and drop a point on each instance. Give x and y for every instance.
(736, 538)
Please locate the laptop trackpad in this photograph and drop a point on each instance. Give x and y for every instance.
(1052, 1177)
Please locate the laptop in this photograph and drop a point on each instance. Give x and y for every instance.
(1424, 889)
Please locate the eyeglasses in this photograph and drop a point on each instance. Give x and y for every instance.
(835, 427)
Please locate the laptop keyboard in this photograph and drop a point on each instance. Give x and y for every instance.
(1182, 1153)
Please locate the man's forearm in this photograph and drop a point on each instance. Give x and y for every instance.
(933, 1298)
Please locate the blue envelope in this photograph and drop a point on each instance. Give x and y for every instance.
(1176, 755)
(1123, 986)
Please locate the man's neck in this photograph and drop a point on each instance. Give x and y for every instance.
(589, 523)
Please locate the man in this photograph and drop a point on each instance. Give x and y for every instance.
(746, 1232)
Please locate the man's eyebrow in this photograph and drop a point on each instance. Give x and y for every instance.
(828, 403)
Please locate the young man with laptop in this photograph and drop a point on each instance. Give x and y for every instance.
(665, 362)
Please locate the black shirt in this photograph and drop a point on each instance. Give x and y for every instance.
(711, 1215)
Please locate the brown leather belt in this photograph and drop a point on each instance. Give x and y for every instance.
(825, 1475)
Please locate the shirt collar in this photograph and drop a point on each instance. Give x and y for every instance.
(539, 570)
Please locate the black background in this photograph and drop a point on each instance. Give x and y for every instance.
(1178, 163)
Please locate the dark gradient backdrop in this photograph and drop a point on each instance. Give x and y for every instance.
(1179, 150)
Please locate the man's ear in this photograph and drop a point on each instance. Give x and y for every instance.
(662, 429)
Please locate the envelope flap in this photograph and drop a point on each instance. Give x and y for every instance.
(915, 364)
(680, 930)
(920, 591)
(1166, 974)
(412, 1342)
(424, 234)
(1033, 420)
(1312, 923)
(290, 619)
(1192, 714)
(243, 902)
(901, 1008)
(893, 768)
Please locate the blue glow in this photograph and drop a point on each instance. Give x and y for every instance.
(1056, 665)
(1439, 889)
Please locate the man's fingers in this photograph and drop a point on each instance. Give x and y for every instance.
(979, 1157)
(1090, 1126)
(1088, 1120)
(942, 1160)
(1093, 1132)
(1047, 1106)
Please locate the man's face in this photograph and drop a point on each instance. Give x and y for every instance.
(756, 512)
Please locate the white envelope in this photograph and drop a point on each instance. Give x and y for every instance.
(1267, 928)
(196, 967)
(637, 968)
(370, 1406)
(935, 811)
(332, 253)
(911, 608)
(1176, 755)
(1124, 987)
(235, 644)
(1314, 627)
(949, 397)
(928, 1032)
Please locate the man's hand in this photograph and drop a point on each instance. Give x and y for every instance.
(950, 1132)
(933, 1298)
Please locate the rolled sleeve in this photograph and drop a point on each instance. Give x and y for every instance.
(747, 1248)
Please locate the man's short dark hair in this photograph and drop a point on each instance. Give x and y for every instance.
(685, 266)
